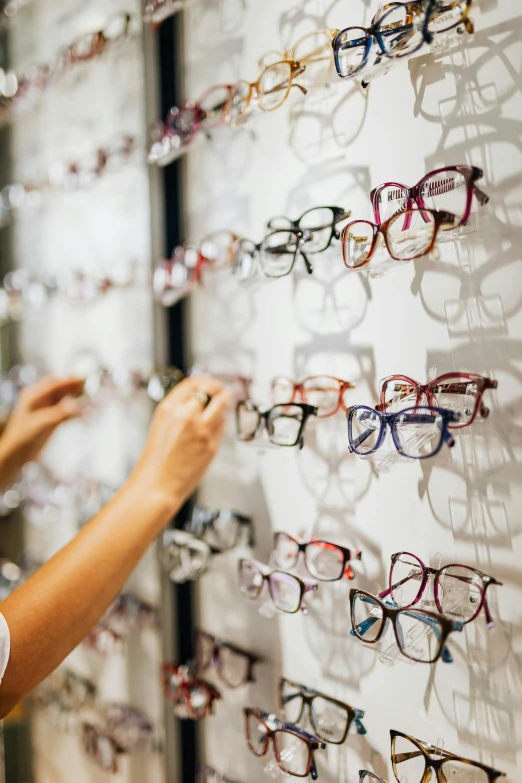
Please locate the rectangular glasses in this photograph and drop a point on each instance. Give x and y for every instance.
(420, 634)
(322, 224)
(286, 590)
(221, 529)
(459, 590)
(234, 665)
(293, 748)
(325, 561)
(449, 189)
(330, 718)
(460, 392)
(412, 759)
(417, 433)
(284, 424)
(275, 255)
(326, 393)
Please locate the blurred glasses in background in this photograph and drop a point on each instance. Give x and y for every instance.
(330, 718)
(221, 529)
(268, 93)
(234, 666)
(326, 393)
(287, 592)
(183, 556)
(190, 697)
(124, 729)
(313, 50)
(275, 255)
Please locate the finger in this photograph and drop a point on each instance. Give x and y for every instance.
(215, 411)
(52, 416)
(181, 393)
(217, 435)
(49, 391)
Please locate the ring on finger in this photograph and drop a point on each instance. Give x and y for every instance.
(201, 396)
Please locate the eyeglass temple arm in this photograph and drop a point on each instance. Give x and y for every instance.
(361, 729)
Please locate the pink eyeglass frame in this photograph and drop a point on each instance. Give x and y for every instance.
(426, 389)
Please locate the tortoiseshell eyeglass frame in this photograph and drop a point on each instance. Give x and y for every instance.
(435, 764)
(428, 390)
(415, 195)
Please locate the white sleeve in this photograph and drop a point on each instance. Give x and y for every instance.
(5, 645)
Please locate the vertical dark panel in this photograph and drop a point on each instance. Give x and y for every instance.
(170, 70)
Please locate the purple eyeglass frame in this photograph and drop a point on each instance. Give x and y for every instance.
(305, 585)
(436, 572)
(414, 195)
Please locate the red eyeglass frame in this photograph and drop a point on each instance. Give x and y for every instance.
(299, 392)
(183, 690)
(426, 389)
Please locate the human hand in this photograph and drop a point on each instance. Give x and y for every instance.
(183, 440)
(40, 409)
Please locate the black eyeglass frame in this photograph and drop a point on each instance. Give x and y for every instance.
(338, 214)
(265, 419)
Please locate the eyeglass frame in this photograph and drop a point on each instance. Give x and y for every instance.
(487, 581)
(305, 585)
(201, 519)
(374, 33)
(187, 680)
(435, 764)
(365, 773)
(426, 390)
(348, 555)
(302, 238)
(101, 39)
(264, 421)
(296, 69)
(388, 420)
(391, 612)
(298, 389)
(440, 217)
(215, 658)
(338, 214)
(288, 728)
(414, 194)
(307, 696)
(290, 53)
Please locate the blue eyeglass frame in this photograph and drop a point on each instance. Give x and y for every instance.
(421, 414)
(374, 33)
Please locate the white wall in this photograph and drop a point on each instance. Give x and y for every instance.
(460, 312)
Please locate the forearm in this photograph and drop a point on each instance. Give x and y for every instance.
(57, 607)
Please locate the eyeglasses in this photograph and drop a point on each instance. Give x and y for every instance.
(412, 759)
(287, 591)
(450, 189)
(331, 719)
(156, 11)
(221, 529)
(314, 50)
(183, 556)
(170, 139)
(66, 690)
(324, 392)
(284, 424)
(320, 223)
(126, 614)
(234, 665)
(293, 748)
(324, 561)
(421, 635)
(445, 15)
(175, 277)
(276, 254)
(417, 432)
(398, 29)
(459, 591)
(270, 91)
(406, 236)
(90, 45)
(126, 729)
(191, 697)
(460, 392)
(365, 775)
(208, 774)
